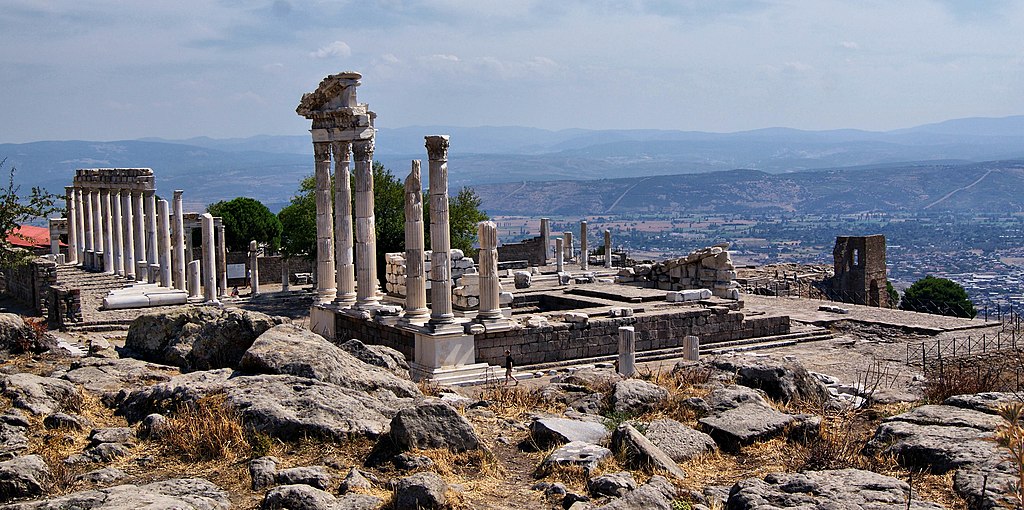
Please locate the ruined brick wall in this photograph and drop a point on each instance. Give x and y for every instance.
(30, 283)
(860, 273)
(531, 250)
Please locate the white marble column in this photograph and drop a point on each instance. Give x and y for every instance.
(193, 284)
(108, 231)
(90, 230)
(559, 255)
(345, 269)
(569, 248)
(97, 229)
(490, 287)
(80, 224)
(140, 234)
(285, 276)
(149, 201)
(127, 234)
(325, 281)
(222, 260)
(365, 231)
(209, 270)
(116, 231)
(415, 259)
(440, 236)
(607, 248)
(545, 238)
(178, 242)
(163, 240)
(72, 217)
(627, 351)
(584, 254)
(254, 267)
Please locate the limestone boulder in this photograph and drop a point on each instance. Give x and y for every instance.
(988, 402)
(635, 396)
(679, 442)
(22, 477)
(987, 486)
(108, 376)
(178, 493)
(15, 335)
(935, 447)
(844, 488)
(548, 431)
(433, 424)
(741, 417)
(13, 440)
(784, 381)
(578, 454)
(949, 416)
(426, 490)
(304, 497)
(197, 337)
(378, 356)
(611, 484)
(641, 453)
(289, 349)
(40, 395)
(657, 494)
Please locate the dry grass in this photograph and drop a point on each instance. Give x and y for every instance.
(206, 430)
(974, 375)
(514, 402)
(429, 388)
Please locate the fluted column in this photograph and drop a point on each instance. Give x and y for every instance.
(568, 247)
(325, 289)
(149, 199)
(115, 231)
(72, 217)
(178, 242)
(345, 269)
(97, 229)
(140, 233)
(627, 351)
(90, 231)
(490, 288)
(222, 260)
(559, 255)
(208, 272)
(163, 240)
(128, 234)
(108, 232)
(366, 233)
(545, 239)
(415, 259)
(607, 248)
(80, 225)
(584, 254)
(440, 237)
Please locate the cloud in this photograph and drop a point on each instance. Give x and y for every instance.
(335, 49)
(850, 45)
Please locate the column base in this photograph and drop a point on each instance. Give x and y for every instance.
(465, 375)
(325, 296)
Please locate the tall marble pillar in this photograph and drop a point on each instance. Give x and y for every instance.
(163, 242)
(366, 234)
(254, 267)
(140, 233)
(90, 230)
(607, 248)
(149, 197)
(569, 249)
(108, 234)
(128, 234)
(545, 238)
(440, 236)
(115, 231)
(97, 229)
(345, 269)
(490, 287)
(80, 224)
(415, 259)
(222, 260)
(584, 254)
(209, 270)
(73, 213)
(325, 281)
(178, 242)
(559, 255)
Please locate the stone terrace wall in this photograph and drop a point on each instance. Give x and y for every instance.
(347, 327)
(30, 283)
(600, 337)
(530, 250)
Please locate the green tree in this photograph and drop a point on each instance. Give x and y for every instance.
(246, 219)
(894, 295)
(299, 235)
(14, 211)
(938, 296)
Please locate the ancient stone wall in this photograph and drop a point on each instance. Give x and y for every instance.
(860, 273)
(395, 270)
(30, 283)
(707, 268)
(372, 332)
(270, 266)
(530, 250)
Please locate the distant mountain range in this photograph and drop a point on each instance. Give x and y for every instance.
(269, 167)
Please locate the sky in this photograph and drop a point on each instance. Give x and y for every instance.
(111, 70)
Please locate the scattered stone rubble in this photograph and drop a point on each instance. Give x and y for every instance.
(707, 268)
(396, 270)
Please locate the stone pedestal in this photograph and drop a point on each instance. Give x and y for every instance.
(54, 237)
(209, 271)
(607, 248)
(365, 234)
(163, 242)
(117, 233)
(321, 321)
(193, 279)
(128, 235)
(545, 239)
(446, 359)
(142, 271)
(584, 253)
(254, 267)
(440, 237)
(627, 351)
(178, 242)
(415, 260)
(559, 255)
(691, 348)
(153, 277)
(345, 269)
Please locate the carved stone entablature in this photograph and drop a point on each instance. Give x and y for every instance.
(115, 178)
(437, 147)
(362, 150)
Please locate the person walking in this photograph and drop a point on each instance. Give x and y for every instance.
(509, 363)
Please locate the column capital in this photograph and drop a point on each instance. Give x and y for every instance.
(341, 150)
(437, 147)
(322, 151)
(178, 193)
(363, 150)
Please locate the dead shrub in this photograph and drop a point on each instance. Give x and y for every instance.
(206, 430)
(1011, 437)
(429, 388)
(973, 375)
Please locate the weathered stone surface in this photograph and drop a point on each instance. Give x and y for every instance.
(594, 379)
(742, 417)
(577, 453)
(635, 396)
(989, 402)
(314, 476)
(354, 480)
(678, 441)
(102, 476)
(65, 421)
(611, 484)
(426, 490)
(378, 356)
(15, 335)
(433, 424)
(784, 381)
(153, 426)
(123, 435)
(262, 470)
(731, 397)
(40, 395)
(197, 337)
(13, 440)
(289, 349)
(178, 493)
(297, 497)
(546, 431)
(641, 453)
(657, 494)
(987, 487)
(949, 416)
(357, 502)
(22, 477)
(106, 376)
(845, 488)
(934, 447)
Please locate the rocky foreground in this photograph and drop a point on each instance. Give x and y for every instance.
(211, 408)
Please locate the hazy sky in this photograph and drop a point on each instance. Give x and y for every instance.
(104, 70)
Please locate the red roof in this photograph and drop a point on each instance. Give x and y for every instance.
(33, 237)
